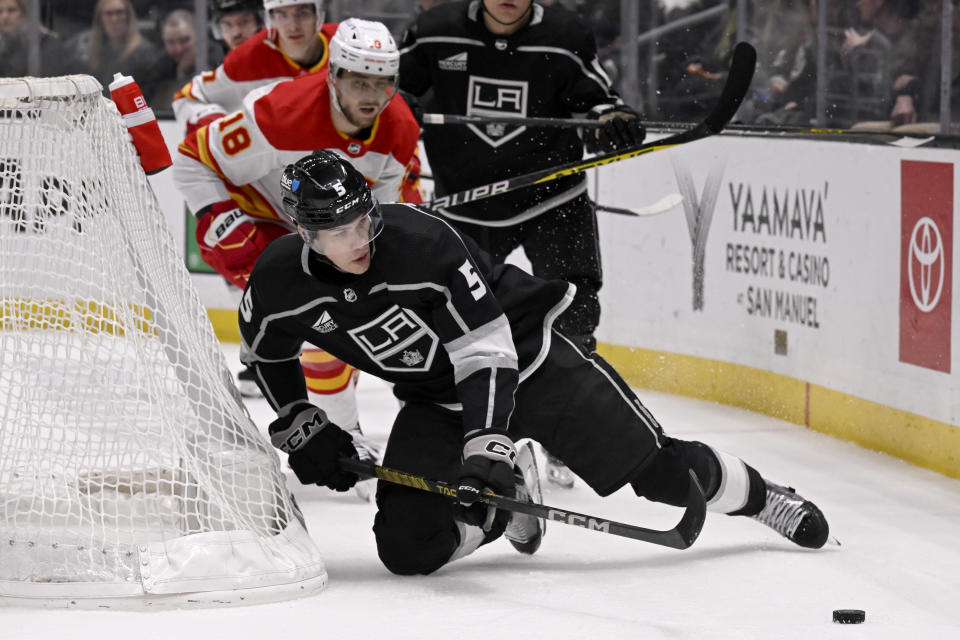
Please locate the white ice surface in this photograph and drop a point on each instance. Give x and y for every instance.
(899, 525)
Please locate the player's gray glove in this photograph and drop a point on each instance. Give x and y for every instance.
(315, 446)
(621, 129)
(488, 458)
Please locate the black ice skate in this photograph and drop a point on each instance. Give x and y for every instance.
(794, 518)
(525, 532)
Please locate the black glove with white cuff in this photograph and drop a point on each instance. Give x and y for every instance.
(314, 445)
(621, 129)
(488, 458)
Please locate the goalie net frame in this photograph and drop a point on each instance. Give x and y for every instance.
(190, 507)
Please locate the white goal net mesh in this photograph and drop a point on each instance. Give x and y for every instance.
(128, 464)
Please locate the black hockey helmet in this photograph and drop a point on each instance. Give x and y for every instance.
(220, 8)
(323, 191)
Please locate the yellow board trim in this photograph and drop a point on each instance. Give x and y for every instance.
(80, 316)
(225, 324)
(927, 443)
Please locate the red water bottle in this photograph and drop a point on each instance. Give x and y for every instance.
(141, 123)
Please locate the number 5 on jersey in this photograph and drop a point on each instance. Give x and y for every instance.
(474, 282)
(237, 138)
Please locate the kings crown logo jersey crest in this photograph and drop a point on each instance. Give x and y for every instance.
(411, 358)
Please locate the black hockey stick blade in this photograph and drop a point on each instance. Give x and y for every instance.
(742, 66)
(681, 536)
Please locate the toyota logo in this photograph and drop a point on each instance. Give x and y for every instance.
(926, 249)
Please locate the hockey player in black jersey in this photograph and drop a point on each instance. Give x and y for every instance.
(519, 58)
(472, 353)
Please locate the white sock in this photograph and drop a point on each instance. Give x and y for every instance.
(470, 539)
(734, 484)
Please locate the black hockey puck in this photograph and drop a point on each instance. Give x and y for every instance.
(849, 616)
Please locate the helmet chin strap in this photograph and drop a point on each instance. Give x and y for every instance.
(483, 5)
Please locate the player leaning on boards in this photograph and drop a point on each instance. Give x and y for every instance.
(470, 349)
(229, 171)
(521, 59)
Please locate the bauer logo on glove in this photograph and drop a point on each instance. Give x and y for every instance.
(223, 225)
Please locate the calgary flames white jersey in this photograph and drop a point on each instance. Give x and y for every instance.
(242, 155)
(256, 63)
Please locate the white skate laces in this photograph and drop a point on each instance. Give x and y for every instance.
(794, 518)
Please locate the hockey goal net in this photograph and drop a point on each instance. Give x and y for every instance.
(130, 471)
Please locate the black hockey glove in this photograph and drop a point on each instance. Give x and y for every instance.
(621, 129)
(314, 445)
(488, 459)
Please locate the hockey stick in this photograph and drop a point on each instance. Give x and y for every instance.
(738, 82)
(679, 537)
(448, 118)
(662, 205)
(860, 136)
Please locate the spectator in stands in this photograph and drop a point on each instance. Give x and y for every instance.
(691, 72)
(888, 34)
(179, 62)
(789, 97)
(918, 98)
(115, 45)
(13, 43)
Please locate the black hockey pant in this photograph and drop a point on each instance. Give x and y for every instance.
(574, 404)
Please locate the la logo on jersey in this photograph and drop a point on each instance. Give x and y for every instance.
(397, 340)
(325, 324)
(498, 98)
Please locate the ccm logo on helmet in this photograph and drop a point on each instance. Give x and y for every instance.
(348, 205)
